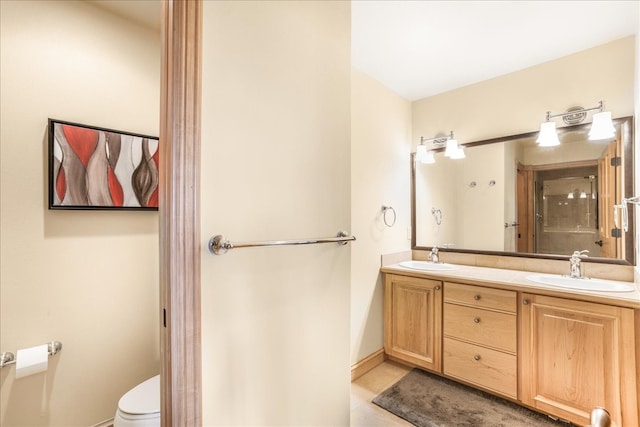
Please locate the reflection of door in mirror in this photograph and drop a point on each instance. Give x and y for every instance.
(566, 203)
(610, 189)
(524, 236)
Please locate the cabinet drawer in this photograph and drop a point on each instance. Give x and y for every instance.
(481, 366)
(478, 296)
(484, 327)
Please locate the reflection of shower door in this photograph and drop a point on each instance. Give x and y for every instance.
(610, 190)
(566, 209)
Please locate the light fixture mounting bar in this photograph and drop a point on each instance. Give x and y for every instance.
(437, 140)
(575, 115)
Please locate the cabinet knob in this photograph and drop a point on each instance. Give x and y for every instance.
(437, 288)
(476, 320)
(476, 357)
(525, 301)
(476, 297)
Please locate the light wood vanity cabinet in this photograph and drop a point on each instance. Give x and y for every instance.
(575, 356)
(480, 337)
(413, 320)
(561, 356)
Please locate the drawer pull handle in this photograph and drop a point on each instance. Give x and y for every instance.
(476, 357)
(476, 297)
(476, 319)
(525, 301)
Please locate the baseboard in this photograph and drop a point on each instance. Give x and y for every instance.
(105, 423)
(360, 368)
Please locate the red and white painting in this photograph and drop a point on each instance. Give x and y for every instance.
(97, 168)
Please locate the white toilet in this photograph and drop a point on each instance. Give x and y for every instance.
(140, 406)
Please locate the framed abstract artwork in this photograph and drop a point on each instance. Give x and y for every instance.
(98, 168)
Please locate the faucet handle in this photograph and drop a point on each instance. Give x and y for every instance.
(580, 253)
(435, 249)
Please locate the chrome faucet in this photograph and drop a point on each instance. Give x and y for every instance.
(576, 265)
(435, 258)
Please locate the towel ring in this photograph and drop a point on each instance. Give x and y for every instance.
(437, 215)
(385, 209)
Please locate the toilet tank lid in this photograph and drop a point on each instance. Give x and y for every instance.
(143, 398)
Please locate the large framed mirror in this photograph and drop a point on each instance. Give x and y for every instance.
(509, 196)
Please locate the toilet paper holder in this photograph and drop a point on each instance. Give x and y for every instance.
(8, 358)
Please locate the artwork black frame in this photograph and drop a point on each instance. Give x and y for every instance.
(93, 167)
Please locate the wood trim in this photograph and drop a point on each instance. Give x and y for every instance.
(360, 368)
(629, 372)
(565, 165)
(179, 211)
(637, 349)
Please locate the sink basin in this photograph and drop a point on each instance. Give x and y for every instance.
(582, 284)
(427, 266)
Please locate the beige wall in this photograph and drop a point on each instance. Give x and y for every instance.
(86, 278)
(517, 102)
(380, 148)
(276, 165)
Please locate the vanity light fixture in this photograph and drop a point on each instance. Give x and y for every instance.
(548, 137)
(421, 152)
(601, 125)
(457, 153)
(452, 149)
(423, 155)
(429, 158)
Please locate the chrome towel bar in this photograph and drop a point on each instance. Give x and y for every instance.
(219, 245)
(8, 358)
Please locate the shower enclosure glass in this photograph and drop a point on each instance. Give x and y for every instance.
(566, 211)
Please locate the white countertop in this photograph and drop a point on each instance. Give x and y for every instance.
(517, 280)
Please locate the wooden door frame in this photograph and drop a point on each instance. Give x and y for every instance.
(179, 201)
(525, 208)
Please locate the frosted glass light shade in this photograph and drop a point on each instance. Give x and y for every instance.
(458, 154)
(452, 147)
(548, 137)
(602, 127)
(421, 152)
(428, 158)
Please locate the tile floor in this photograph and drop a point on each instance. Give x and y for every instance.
(364, 389)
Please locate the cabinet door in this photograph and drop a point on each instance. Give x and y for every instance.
(413, 313)
(576, 356)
